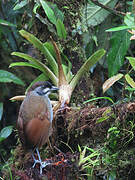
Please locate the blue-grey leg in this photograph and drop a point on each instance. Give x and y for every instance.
(38, 154)
(62, 105)
(35, 160)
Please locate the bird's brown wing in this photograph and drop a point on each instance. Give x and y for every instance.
(37, 131)
(33, 122)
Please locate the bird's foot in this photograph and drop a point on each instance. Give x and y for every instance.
(35, 162)
(64, 108)
(43, 165)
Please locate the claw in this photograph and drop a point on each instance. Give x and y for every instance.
(43, 165)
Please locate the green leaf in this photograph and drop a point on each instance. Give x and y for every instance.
(42, 67)
(39, 45)
(97, 98)
(6, 23)
(119, 43)
(129, 20)
(6, 76)
(101, 119)
(67, 65)
(86, 66)
(65, 68)
(132, 61)
(61, 31)
(50, 48)
(82, 155)
(109, 82)
(129, 88)
(23, 64)
(130, 81)
(58, 13)
(119, 28)
(96, 14)
(5, 132)
(106, 115)
(79, 148)
(65, 61)
(90, 149)
(1, 110)
(49, 12)
(20, 4)
(69, 74)
(36, 6)
(112, 129)
(89, 158)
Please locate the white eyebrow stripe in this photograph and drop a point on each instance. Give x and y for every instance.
(46, 90)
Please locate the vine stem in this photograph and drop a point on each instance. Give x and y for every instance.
(118, 13)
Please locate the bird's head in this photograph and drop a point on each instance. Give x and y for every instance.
(43, 88)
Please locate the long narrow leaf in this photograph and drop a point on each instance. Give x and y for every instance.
(6, 23)
(119, 28)
(39, 45)
(97, 98)
(50, 48)
(8, 77)
(61, 31)
(86, 66)
(109, 82)
(88, 158)
(23, 64)
(39, 64)
(49, 12)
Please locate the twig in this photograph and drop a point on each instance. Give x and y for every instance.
(58, 150)
(118, 13)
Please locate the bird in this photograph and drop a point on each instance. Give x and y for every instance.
(35, 118)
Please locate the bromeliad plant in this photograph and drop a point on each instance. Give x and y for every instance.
(59, 67)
